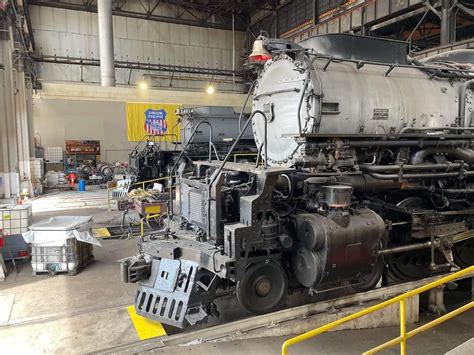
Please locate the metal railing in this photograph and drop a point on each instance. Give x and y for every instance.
(404, 335)
(143, 183)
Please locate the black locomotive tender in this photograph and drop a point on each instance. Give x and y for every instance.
(367, 169)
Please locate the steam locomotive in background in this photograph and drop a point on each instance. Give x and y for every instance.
(367, 168)
(153, 156)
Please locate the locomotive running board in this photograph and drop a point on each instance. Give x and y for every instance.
(259, 326)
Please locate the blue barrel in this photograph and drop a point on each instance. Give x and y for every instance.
(82, 185)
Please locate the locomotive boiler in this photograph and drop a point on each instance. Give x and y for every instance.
(365, 170)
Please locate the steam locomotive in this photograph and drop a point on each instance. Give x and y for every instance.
(153, 157)
(366, 169)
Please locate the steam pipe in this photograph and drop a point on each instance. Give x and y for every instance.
(382, 168)
(427, 129)
(106, 43)
(364, 183)
(420, 175)
(467, 155)
(455, 191)
(403, 143)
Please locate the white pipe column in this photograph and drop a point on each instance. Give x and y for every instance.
(106, 43)
(444, 35)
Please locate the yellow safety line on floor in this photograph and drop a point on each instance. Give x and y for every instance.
(145, 327)
(102, 233)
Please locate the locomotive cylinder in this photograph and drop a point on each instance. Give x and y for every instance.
(330, 252)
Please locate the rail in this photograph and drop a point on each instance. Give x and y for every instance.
(404, 335)
(430, 70)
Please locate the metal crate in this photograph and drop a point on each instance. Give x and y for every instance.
(68, 257)
(15, 219)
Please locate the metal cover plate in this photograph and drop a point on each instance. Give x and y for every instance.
(168, 274)
(280, 87)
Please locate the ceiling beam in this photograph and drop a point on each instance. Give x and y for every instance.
(138, 15)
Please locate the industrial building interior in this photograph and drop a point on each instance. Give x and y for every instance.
(235, 176)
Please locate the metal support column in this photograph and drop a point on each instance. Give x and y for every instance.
(15, 117)
(444, 22)
(106, 43)
(9, 179)
(436, 301)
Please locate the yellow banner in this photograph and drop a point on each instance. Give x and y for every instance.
(154, 119)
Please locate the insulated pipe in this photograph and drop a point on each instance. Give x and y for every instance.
(106, 43)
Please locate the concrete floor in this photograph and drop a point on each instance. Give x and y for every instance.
(438, 341)
(63, 314)
(87, 312)
(69, 314)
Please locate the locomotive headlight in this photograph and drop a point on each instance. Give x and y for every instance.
(259, 53)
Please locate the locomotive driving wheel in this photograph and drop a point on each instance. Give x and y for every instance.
(369, 280)
(409, 265)
(463, 253)
(263, 288)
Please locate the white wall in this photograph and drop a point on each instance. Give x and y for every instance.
(58, 120)
(75, 33)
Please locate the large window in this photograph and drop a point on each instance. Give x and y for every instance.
(294, 14)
